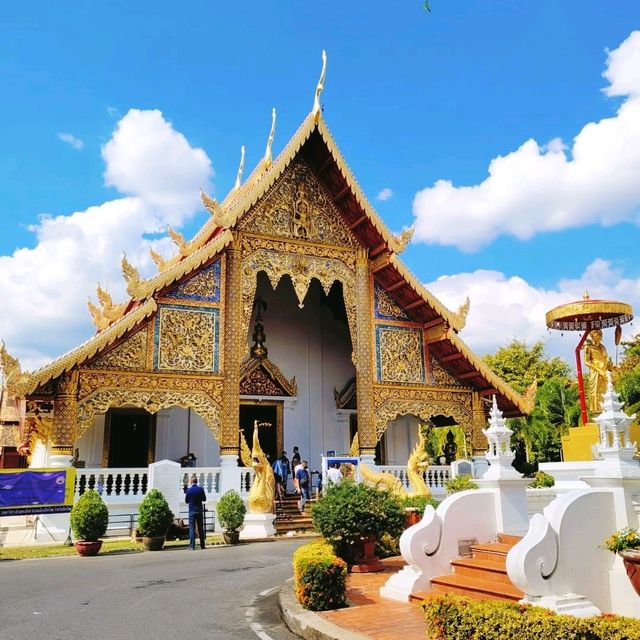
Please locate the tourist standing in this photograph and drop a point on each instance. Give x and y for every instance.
(334, 476)
(303, 481)
(281, 472)
(195, 497)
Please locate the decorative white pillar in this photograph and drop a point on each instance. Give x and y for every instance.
(512, 516)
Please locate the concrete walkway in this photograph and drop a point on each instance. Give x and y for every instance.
(369, 617)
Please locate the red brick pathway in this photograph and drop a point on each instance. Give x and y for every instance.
(378, 617)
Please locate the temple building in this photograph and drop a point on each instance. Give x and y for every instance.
(291, 306)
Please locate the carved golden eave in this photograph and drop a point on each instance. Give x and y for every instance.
(529, 396)
(280, 382)
(399, 243)
(219, 218)
(108, 312)
(493, 379)
(140, 289)
(12, 372)
(29, 382)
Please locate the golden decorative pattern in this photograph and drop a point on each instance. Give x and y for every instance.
(187, 339)
(65, 411)
(278, 259)
(151, 401)
(400, 356)
(263, 378)
(297, 206)
(362, 290)
(392, 402)
(108, 312)
(204, 286)
(128, 355)
(438, 376)
(386, 308)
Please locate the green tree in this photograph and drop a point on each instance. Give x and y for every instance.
(520, 365)
(628, 379)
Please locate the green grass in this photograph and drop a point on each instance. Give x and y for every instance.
(108, 546)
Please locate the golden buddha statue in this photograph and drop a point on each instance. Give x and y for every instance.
(599, 363)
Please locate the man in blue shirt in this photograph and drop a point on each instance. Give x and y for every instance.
(195, 497)
(303, 479)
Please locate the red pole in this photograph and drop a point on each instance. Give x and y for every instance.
(583, 400)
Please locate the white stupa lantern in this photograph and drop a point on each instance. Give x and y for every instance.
(499, 454)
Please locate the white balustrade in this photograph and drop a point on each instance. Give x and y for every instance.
(435, 476)
(115, 486)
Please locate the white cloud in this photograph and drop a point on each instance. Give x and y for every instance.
(46, 287)
(507, 308)
(540, 188)
(71, 140)
(385, 194)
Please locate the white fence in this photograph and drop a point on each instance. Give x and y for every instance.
(435, 477)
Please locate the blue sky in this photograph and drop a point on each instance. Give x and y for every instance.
(420, 104)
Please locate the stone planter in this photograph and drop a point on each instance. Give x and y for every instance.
(231, 537)
(631, 559)
(153, 543)
(365, 558)
(88, 547)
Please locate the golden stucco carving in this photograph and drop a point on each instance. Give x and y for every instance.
(151, 401)
(204, 284)
(278, 259)
(400, 355)
(438, 376)
(107, 312)
(128, 355)
(263, 378)
(399, 243)
(187, 340)
(298, 207)
(386, 308)
(424, 403)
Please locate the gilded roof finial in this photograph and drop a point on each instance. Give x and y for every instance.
(268, 160)
(585, 295)
(317, 107)
(240, 170)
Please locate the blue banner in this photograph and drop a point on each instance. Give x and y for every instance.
(31, 488)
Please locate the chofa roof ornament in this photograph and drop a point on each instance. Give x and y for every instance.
(317, 107)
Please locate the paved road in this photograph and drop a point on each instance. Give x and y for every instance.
(220, 592)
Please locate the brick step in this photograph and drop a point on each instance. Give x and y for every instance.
(492, 551)
(482, 569)
(475, 588)
(507, 538)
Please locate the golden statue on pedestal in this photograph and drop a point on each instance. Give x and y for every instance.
(599, 363)
(264, 483)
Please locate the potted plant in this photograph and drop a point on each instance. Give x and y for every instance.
(459, 483)
(351, 517)
(414, 507)
(231, 511)
(89, 519)
(626, 543)
(154, 518)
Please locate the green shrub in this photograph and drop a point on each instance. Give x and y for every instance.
(387, 546)
(350, 512)
(89, 517)
(231, 510)
(542, 480)
(455, 618)
(154, 515)
(419, 502)
(320, 578)
(459, 483)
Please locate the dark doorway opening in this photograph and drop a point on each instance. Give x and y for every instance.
(129, 438)
(270, 437)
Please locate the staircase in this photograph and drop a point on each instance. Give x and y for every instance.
(288, 518)
(481, 577)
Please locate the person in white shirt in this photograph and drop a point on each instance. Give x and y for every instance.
(333, 474)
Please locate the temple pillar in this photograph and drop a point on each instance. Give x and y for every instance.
(65, 416)
(364, 356)
(234, 346)
(478, 441)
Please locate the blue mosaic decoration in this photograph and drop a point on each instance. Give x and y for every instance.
(186, 339)
(384, 307)
(204, 286)
(399, 354)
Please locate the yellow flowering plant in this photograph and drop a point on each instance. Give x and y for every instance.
(623, 540)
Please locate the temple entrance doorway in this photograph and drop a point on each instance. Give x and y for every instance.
(129, 438)
(270, 436)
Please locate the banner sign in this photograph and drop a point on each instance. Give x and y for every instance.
(32, 491)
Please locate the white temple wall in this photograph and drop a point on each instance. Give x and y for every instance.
(315, 347)
(91, 443)
(401, 437)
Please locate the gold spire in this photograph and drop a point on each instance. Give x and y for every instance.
(268, 159)
(317, 107)
(240, 170)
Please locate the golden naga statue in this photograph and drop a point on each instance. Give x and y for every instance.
(108, 312)
(417, 464)
(263, 489)
(220, 217)
(599, 363)
(161, 263)
(180, 242)
(379, 479)
(399, 243)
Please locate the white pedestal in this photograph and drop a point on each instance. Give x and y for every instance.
(401, 585)
(258, 525)
(166, 477)
(512, 515)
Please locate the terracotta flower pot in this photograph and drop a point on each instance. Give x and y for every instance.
(366, 560)
(88, 547)
(231, 537)
(631, 559)
(411, 516)
(153, 543)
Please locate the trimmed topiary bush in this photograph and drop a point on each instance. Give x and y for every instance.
(459, 483)
(542, 480)
(349, 513)
(154, 515)
(320, 577)
(89, 517)
(455, 618)
(231, 511)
